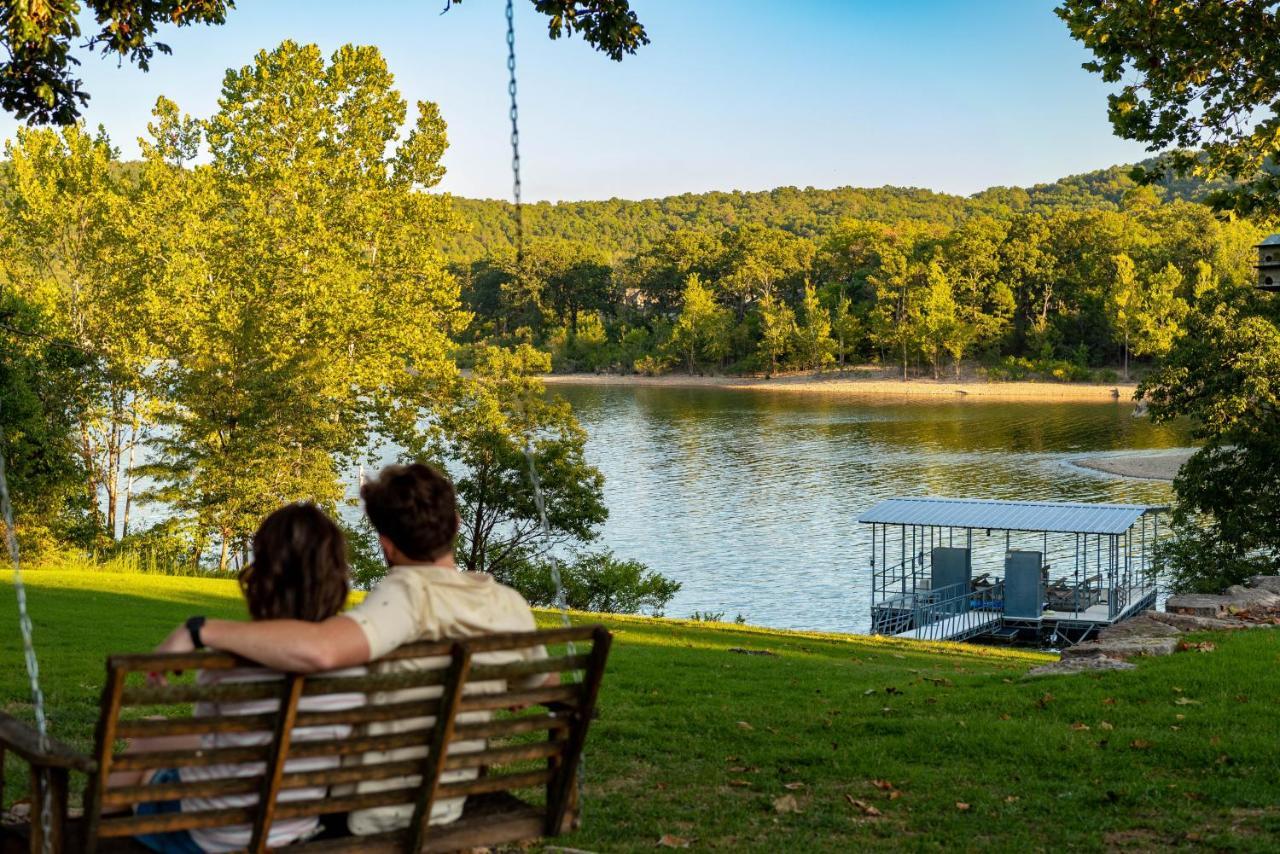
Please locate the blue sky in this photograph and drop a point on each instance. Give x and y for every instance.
(953, 95)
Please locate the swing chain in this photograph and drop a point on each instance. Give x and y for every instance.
(515, 135)
(29, 652)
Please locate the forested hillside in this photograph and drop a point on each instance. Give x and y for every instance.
(1068, 280)
(619, 227)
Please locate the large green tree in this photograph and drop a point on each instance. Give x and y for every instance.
(1200, 80)
(1225, 375)
(68, 245)
(306, 305)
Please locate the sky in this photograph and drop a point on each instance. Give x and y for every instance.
(951, 95)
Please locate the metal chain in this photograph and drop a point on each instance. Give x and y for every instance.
(28, 649)
(515, 135)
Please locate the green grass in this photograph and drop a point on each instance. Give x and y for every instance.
(698, 742)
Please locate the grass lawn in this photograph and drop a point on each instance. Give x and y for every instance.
(831, 744)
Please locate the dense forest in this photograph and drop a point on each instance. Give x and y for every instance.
(1068, 280)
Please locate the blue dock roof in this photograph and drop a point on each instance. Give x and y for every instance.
(1047, 516)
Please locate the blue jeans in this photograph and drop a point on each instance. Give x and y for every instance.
(175, 841)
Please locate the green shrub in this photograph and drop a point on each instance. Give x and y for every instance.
(593, 581)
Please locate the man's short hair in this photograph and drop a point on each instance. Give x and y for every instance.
(414, 507)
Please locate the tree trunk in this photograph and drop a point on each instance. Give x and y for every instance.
(1126, 355)
(222, 556)
(128, 481)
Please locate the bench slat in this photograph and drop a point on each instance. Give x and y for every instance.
(502, 755)
(563, 664)
(510, 726)
(537, 696)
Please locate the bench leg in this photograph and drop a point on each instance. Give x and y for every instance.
(48, 788)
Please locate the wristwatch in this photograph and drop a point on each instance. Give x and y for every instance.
(194, 625)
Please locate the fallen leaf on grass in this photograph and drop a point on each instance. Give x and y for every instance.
(962, 806)
(1186, 701)
(868, 692)
(669, 840)
(1109, 702)
(740, 783)
(785, 804)
(1004, 717)
(794, 787)
(1105, 725)
(1080, 727)
(882, 784)
(1045, 700)
(1140, 744)
(1204, 646)
(1011, 799)
(865, 807)
(1174, 727)
(744, 725)
(1241, 698)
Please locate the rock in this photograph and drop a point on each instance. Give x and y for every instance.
(1126, 647)
(1080, 664)
(1198, 605)
(1252, 597)
(1265, 582)
(1189, 623)
(1139, 626)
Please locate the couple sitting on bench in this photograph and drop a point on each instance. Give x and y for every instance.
(295, 589)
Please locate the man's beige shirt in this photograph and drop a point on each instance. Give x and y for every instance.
(424, 602)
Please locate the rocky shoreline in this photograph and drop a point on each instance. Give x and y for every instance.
(1253, 605)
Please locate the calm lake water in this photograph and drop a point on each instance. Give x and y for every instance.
(749, 498)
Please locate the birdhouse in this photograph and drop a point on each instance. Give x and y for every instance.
(1269, 264)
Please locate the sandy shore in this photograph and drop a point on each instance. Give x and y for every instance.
(1148, 466)
(856, 385)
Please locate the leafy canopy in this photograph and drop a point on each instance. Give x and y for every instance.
(38, 82)
(1202, 78)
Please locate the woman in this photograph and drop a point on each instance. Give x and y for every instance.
(299, 571)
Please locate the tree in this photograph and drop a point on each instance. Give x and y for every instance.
(777, 329)
(482, 433)
(1202, 79)
(1224, 374)
(306, 306)
(701, 332)
(814, 348)
(895, 317)
(940, 329)
(42, 399)
(69, 247)
(1160, 314)
(1123, 301)
(847, 328)
(36, 83)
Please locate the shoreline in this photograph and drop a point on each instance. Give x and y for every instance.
(1148, 466)
(853, 385)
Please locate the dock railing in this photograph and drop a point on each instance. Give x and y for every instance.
(954, 612)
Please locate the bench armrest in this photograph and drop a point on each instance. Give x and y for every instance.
(22, 739)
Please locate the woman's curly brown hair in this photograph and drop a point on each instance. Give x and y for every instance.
(299, 569)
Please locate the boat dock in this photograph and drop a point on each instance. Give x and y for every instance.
(1047, 570)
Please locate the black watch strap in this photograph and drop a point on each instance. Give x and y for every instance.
(194, 625)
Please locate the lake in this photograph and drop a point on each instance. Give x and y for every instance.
(749, 498)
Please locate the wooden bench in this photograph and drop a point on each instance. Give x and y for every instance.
(525, 743)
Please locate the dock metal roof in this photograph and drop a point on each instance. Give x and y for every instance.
(1049, 516)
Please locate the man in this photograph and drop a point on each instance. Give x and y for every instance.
(422, 597)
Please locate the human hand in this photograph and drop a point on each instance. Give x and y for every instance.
(179, 640)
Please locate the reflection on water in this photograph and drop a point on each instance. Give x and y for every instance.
(749, 498)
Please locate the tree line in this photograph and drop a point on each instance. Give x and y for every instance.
(1061, 291)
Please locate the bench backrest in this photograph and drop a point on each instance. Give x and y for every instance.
(303, 745)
